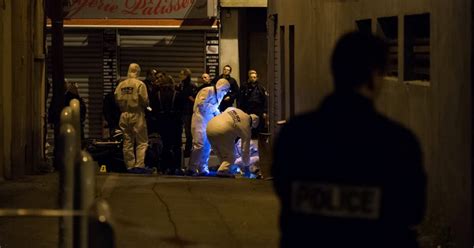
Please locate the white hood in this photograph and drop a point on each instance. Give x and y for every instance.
(133, 71)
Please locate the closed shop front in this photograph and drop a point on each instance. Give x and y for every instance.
(100, 41)
(83, 65)
(97, 58)
(169, 51)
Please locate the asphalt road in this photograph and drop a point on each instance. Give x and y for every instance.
(153, 211)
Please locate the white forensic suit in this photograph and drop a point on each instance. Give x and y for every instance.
(206, 106)
(132, 98)
(222, 132)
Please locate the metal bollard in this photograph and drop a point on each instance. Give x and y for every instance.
(101, 233)
(75, 106)
(77, 185)
(86, 172)
(69, 148)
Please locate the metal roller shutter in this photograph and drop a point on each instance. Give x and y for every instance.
(169, 51)
(83, 65)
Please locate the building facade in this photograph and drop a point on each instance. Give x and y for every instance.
(99, 45)
(100, 40)
(22, 64)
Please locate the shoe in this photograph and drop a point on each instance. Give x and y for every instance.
(144, 170)
(226, 174)
(196, 173)
(179, 172)
(190, 173)
(246, 172)
(153, 170)
(204, 174)
(173, 172)
(140, 170)
(257, 174)
(235, 169)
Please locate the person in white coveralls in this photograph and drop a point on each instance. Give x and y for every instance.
(206, 106)
(222, 132)
(132, 98)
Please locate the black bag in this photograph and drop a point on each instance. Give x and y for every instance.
(154, 150)
(108, 153)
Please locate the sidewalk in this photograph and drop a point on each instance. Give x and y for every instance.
(154, 211)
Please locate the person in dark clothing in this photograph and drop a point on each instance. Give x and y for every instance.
(233, 94)
(203, 82)
(188, 92)
(167, 107)
(72, 92)
(253, 100)
(361, 181)
(150, 82)
(151, 119)
(111, 112)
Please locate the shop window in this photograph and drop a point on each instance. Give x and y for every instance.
(387, 28)
(417, 48)
(364, 26)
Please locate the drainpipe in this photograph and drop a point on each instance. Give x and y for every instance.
(57, 35)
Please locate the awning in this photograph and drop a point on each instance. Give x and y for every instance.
(165, 24)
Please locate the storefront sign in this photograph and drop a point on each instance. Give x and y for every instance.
(110, 57)
(137, 9)
(212, 54)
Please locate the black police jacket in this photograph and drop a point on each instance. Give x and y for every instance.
(347, 176)
(253, 99)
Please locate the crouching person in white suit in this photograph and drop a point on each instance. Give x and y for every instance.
(223, 130)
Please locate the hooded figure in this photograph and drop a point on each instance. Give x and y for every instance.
(132, 98)
(206, 106)
(223, 130)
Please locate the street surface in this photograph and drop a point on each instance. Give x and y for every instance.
(153, 211)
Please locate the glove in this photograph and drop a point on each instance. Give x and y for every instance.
(216, 112)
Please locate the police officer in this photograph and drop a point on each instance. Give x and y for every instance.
(253, 100)
(359, 180)
(203, 82)
(132, 98)
(223, 130)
